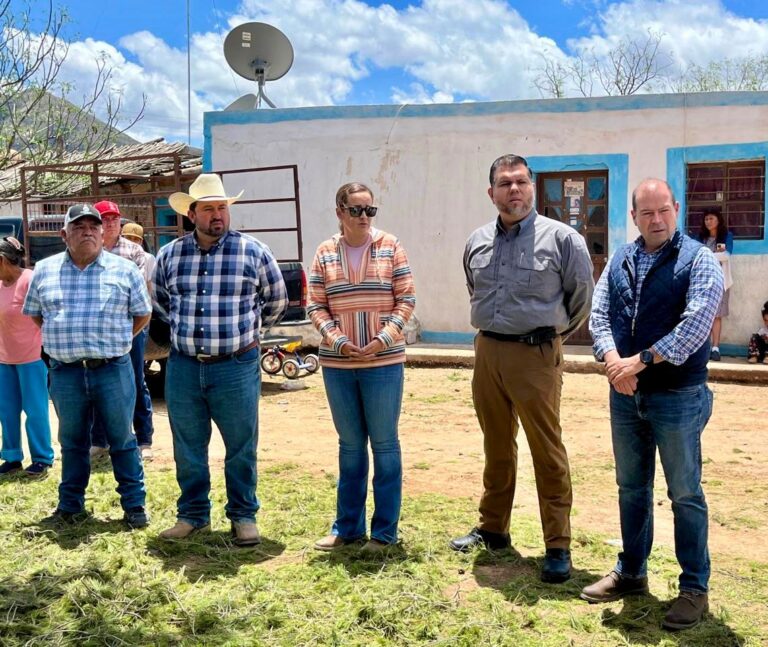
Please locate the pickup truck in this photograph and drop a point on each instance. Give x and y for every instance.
(42, 245)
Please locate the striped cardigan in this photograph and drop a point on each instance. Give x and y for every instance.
(359, 305)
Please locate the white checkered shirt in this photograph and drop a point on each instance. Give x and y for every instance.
(87, 314)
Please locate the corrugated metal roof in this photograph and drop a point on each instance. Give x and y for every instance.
(126, 160)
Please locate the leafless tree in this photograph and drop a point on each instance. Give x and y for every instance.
(625, 69)
(631, 66)
(38, 122)
(551, 79)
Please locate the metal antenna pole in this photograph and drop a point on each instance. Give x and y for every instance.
(189, 84)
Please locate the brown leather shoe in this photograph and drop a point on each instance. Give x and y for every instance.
(614, 587)
(374, 546)
(246, 533)
(333, 542)
(686, 611)
(182, 530)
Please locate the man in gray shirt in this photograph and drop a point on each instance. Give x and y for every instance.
(530, 285)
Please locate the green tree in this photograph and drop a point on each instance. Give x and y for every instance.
(749, 73)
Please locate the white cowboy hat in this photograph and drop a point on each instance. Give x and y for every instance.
(207, 187)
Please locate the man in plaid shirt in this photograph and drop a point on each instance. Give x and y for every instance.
(652, 312)
(215, 287)
(90, 304)
(142, 413)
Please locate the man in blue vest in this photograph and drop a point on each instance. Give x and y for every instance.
(652, 312)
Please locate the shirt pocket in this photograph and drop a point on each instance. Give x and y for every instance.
(482, 268)
(113, 298)
(536, 277)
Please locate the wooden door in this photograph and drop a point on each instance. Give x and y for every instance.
(580, 200)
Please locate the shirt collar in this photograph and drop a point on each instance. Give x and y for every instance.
(99, 260)
(519, 227)
(213, 247)
(640, 244)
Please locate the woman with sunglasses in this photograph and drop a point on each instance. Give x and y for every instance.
(361, 295)
(23, 375)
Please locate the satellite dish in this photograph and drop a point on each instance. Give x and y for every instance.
(258, 52)
(246, 102)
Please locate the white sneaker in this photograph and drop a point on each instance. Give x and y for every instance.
(146, 453)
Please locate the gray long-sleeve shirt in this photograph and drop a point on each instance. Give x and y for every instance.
(538, 274)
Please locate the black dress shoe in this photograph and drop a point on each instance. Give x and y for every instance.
(63, 518)
(557, 566)
(479, 537)
(136, 518)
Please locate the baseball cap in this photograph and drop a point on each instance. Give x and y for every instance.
(134, 230)
(106, 207)
(77, 211)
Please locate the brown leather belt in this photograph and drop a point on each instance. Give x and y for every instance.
(212, 359)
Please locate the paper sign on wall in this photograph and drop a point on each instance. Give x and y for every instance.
(573, 189)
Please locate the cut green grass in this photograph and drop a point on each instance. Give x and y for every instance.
(98, 584)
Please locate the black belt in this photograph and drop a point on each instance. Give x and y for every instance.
(91, 363)
(533, 338)
(212, 359)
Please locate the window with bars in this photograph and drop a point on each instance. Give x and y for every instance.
(737, 189)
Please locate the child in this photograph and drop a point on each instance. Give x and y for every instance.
(759, 341)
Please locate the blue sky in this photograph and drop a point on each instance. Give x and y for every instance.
(356, 52)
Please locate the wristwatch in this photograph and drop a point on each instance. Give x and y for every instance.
(646, 357)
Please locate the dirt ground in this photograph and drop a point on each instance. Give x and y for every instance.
(442, 451)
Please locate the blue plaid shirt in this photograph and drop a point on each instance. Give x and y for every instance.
(216, 299)
(702, 301)
(87, 314)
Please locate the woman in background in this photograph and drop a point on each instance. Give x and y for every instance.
(23, 375)
(715, 235)
(361, 295)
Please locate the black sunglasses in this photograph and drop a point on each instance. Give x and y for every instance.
(357, 211)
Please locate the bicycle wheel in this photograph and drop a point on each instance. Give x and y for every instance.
(311, 363)
(291, 369)
(271, 363)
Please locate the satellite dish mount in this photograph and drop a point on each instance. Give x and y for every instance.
(258, 52)
(260, 72)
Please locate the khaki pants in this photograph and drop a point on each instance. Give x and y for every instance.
(512, 380)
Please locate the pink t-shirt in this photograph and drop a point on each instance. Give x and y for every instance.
(355, 254)
(20, 338)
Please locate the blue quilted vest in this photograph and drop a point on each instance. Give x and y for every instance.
(662, 302)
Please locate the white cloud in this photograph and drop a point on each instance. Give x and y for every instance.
(695, 31)
(449, 50)
(417, 93)
(482, 49)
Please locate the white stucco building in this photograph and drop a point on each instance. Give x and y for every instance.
(428, 166)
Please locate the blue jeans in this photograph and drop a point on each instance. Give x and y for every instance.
(142, 413)
(365, 404)
(24, 387)
(226, 393)
(111, 391)
(673, 421)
